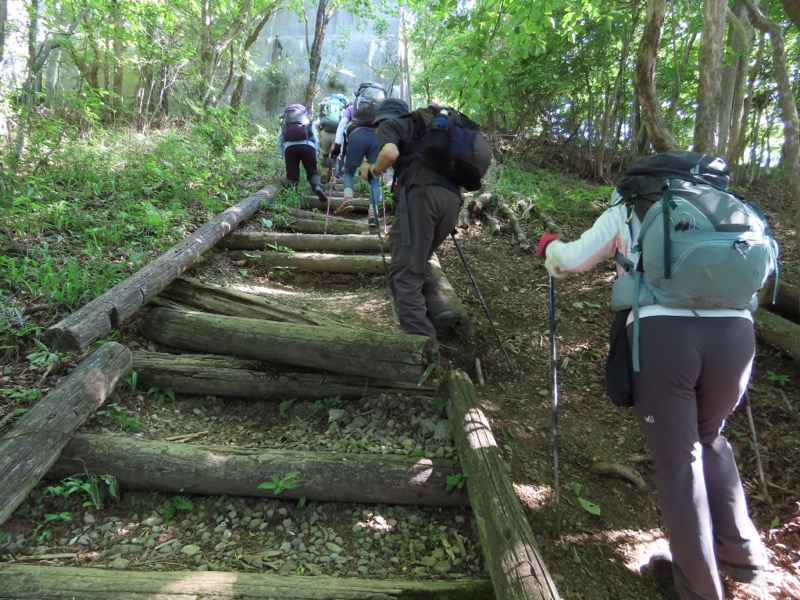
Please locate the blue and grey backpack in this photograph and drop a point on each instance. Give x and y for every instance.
(701, 246)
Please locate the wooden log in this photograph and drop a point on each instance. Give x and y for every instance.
(30, 449)
(212, 470)
(224, 301)
(204, 374)
(304, 242)
(477, 204)
(509, 214)
(463, 326)
(105, 313)
(512, 556)
(492, 223)
(314, 262)
(347, 351)
(787, 303)
(358, 204)
(33, 582)
(319, 226)
(778, 332)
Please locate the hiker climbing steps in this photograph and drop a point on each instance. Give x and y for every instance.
(359, 423)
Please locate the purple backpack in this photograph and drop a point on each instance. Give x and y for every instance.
(296, 124)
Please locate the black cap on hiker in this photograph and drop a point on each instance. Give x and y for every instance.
(391, 108)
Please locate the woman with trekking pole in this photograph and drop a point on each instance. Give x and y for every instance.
(694, 365)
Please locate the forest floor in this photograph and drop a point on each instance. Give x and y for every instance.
(599, 556)
(594, 556)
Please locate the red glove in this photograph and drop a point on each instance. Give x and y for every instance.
(545, 240)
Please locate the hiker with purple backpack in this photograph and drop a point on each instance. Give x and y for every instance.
(297, 144)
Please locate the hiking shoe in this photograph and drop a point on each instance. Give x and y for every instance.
(745, 573)
(444, 319)
(659, 569)
(320, 192)
(345, 206)
(371, 219)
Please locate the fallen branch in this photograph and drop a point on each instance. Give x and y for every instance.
(628, 473)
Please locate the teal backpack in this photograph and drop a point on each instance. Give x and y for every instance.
(701, 246)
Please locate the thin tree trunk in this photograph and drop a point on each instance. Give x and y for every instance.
(644, 79)
(315, 51)
(786, 99)
(710, 77)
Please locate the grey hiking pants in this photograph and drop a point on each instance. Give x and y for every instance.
(425, 216)
(693, 373)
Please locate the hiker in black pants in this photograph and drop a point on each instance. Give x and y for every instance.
(695, 365)
(427, 211)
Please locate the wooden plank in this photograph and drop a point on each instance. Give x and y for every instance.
(512, 556)
(225, 301)
(31, 582)
(29, 450)
(209, 470)
(105, 313)
(347, 351)
(314, 262)
(229, 376)
(304, 242)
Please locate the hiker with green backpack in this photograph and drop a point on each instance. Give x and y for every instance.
(330, 113)
(691, 258)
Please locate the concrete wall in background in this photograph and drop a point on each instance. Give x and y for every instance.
(352, 53)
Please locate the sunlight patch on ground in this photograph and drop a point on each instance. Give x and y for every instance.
(534, 497)
(260, 290)
(634, 546)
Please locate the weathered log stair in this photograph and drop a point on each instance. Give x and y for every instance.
(236, 344)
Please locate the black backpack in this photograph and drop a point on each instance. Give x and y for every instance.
(452, 145)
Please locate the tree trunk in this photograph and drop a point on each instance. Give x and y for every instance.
(315, 51)
(792, 8)
(336, 349)
(644, 79)
(215, 470)
(303, 242)
(732, 88)
(741, 100)
(3, 20)
(203, 374)
(352, 264)
(512, 556)
(786, 99)
(68, 583)
(706, 130)
(779, 333)
(105, 313)
(31, 448)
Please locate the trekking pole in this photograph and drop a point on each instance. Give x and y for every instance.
(330, 198)
(373, 202)
(483, 302)
(759, 464)
(553, 365)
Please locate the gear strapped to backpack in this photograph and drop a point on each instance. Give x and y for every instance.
(296, 124)
(368, 96)
(331, 111)
(453, 145)
(701, 247)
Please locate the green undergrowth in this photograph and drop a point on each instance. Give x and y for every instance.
(538, 196)
(103, 206)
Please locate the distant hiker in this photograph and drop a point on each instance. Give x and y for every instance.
(297, 143)
(330, 113)
(356, 134)
(428, 203)
(691, 350)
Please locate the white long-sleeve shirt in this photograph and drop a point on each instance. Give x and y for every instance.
(608, 235)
